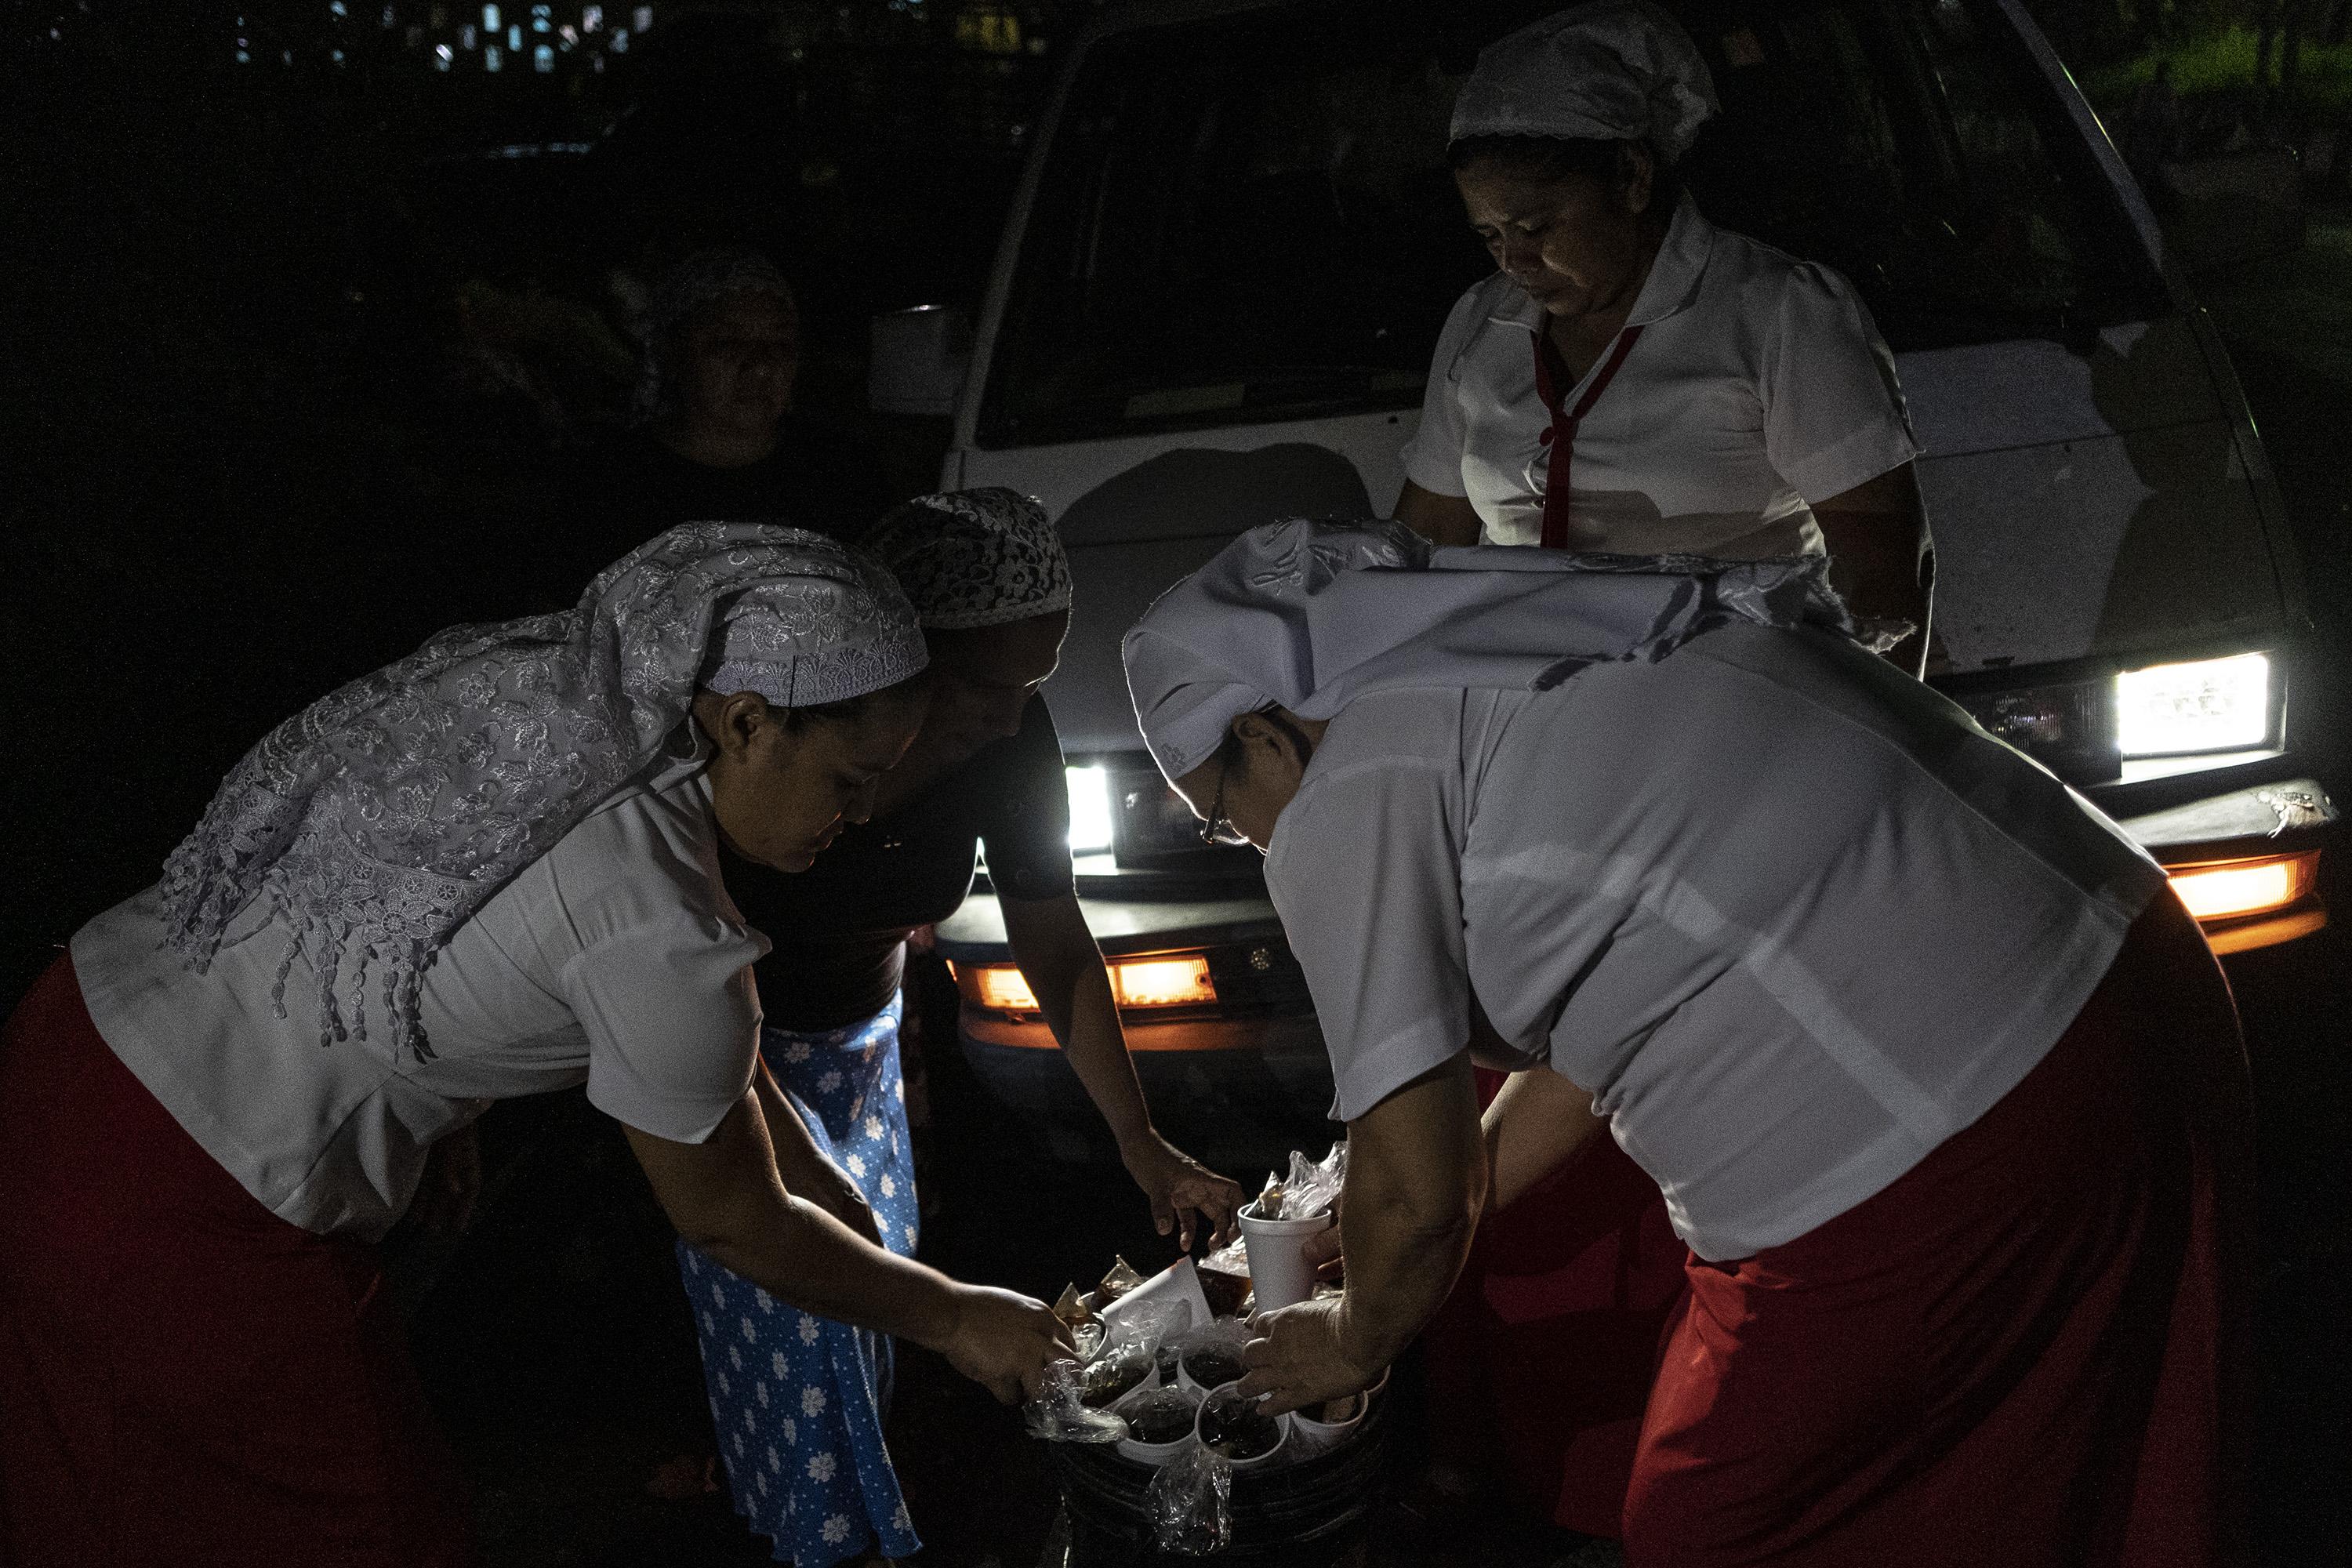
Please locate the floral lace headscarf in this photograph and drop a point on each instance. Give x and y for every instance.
(700, 280)
(974, 558)
(378, 819)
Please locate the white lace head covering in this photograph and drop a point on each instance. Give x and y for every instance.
(1611, 70)
(1312, 616)
(685, 291)
(974, 558)
(382, 815)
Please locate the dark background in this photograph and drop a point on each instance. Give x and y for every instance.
(297, 348)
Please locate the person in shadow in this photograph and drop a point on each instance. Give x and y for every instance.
(718, 438)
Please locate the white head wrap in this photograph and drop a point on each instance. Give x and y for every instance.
(974, 558)
(382, 815)
(1312, 616)
(1612, 71)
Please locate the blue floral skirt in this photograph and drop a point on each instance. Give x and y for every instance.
(798, 1399)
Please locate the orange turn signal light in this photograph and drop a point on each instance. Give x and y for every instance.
(1163, 982)
(2230, 889)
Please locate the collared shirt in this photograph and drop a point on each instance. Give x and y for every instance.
(1758, 389)
(615, 959)
(1788, 916)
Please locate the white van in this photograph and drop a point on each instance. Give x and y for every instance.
(1215, 302)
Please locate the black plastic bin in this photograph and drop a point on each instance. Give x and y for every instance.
(1306, 1515)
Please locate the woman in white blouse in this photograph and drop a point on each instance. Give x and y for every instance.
(1634, 379)
(1941, 1085)
(489, 870)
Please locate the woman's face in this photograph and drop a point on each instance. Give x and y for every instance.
(737, 360)
(1576, 244)
(782, 783)
(982, 679)
(1250, 780)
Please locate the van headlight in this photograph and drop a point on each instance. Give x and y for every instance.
(2083, 731)
(2205, 705)
(1090, 820)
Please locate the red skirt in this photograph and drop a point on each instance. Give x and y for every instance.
(2030, 1350)
(185, 1377)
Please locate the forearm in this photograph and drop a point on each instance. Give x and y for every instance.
(806, 1258)
(1412, 1203)
(1065, 969)
(1535, 1126)
(725, 1196)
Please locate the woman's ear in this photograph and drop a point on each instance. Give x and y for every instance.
(1636, 176)
(736, 722)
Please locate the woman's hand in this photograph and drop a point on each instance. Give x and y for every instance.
(1181, 1190)
(1302, 1356)
(1002, 1339)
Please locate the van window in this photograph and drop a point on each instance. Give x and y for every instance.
(1249, 218)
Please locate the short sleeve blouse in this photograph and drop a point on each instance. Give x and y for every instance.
(615, 960)
(1758, 388)
(1784, 911)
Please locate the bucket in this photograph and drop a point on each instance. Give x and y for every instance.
(1306, 1515)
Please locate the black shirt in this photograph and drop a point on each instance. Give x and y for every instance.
(840, 927)
(626, 492)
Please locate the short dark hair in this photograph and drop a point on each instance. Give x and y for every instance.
(1565, 157)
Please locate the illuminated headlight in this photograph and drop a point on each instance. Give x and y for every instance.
(2210, 705)
(1089, 809)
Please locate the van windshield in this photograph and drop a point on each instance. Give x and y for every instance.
(1249, 218)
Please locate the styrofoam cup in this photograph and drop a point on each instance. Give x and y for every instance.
(1282, 1428)
(1156, 1454)
(1309, 1435)
(1280, 1274)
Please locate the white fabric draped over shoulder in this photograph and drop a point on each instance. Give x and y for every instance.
(1312, 615)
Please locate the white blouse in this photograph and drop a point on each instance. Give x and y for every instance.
(1758, 388)
(615, 959)
(1785, 913)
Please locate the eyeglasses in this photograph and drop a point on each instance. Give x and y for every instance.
(1214, 828)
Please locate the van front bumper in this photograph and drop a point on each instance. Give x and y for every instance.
(2242, 840)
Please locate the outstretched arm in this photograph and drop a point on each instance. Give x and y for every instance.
(1416, 1179)
(1065, 970)
(725, 1197)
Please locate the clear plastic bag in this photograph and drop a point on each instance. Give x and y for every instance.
(1059, 1414)
(1073, 1407)
(1311, 1187)
(1191, 1504)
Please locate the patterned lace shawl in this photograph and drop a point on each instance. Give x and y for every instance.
(1313, 615)
(974, 558)
(382, 815)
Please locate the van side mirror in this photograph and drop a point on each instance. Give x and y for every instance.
(920, 356)
(2231, 208)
